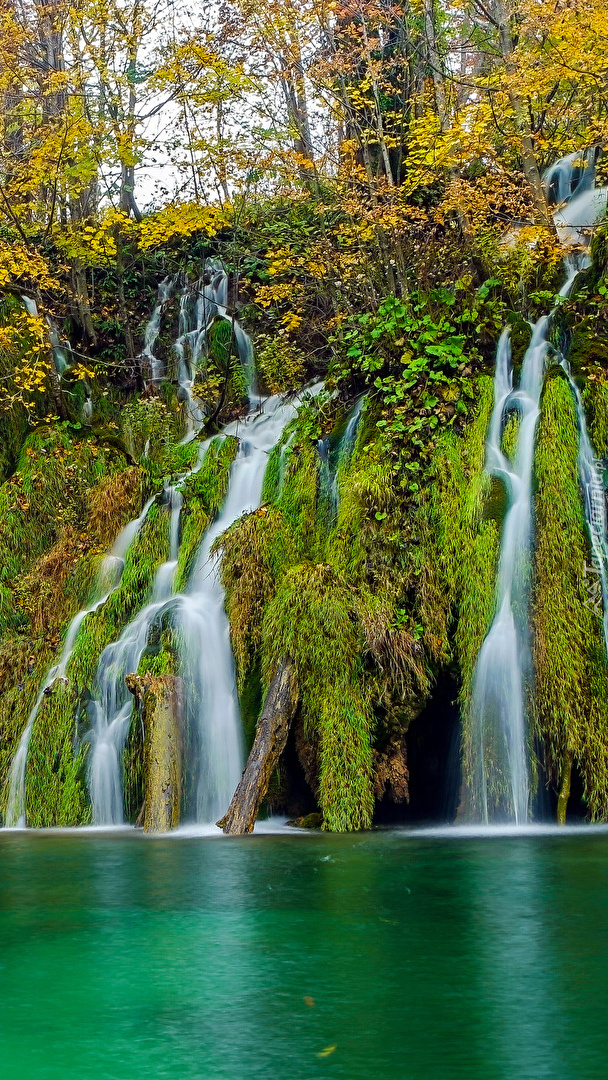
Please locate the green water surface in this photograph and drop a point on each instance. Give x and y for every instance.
(398, 955)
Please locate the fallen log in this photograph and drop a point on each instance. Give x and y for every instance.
(271, 734)
(160, 698)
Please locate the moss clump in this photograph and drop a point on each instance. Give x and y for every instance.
(310, 621)
(44, 502)
(571, 714)
(464, 537)
(462, 541)
(56, 783)
(115, 501)
(335, 601)
(204, 493)
(280, 363)
(595, 399)
(255, 552)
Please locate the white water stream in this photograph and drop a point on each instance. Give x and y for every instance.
(111, 710)
(207, 667)
(500, 786)
(152, 330)
(340, 457)
(108, 579)
(212, 709)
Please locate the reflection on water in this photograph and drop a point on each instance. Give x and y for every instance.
(422, 956)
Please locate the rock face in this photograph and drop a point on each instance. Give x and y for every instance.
(271, 736)
(391, 776)
(161, 701)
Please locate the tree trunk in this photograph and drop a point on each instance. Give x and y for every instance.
(82, 306)
(522, 123)
(564, 791)
(270, 740)
(161, 700)
(432, 45)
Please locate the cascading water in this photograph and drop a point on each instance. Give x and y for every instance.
(108, 579)
(594, 502)
(207, 664)
(60, 348)
(111, 710)
(334, 461)
(570, 187)
(200, 305)
(498, 760)
(500, 784)
(152, 330)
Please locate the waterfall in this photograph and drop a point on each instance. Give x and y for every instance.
(212, 716)
(111, 710)
(500, 786)
(499, 781)
(207, 664)
(333, 461)
(108, 579)
(570, 188)
(152, 330)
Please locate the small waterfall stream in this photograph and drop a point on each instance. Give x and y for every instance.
(334, 460)
(152, 330)
(207, 664)
(497, 706)
(200, 306)
(500, 784)
(111, 711)
(108, 580)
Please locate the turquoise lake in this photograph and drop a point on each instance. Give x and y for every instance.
(385, 956)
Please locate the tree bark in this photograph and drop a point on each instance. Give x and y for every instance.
(271, 737)
(522, 123)
(564, 790)
(161, 700)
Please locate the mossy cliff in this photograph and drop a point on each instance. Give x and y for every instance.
(370, 567)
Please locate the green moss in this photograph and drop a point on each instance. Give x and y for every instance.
(298, 498)
(521, 336)
(204, 493)
(462, 539)
(48, 494)
(256, 551)
(56, 783)
(511, 434)
(571, 715)
(310, 622)
(588, 346)
(595, 399)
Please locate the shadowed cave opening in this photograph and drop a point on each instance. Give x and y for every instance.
(433, 757)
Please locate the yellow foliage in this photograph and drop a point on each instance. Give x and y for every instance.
(95, 245)
(180, 220)
(18, 264)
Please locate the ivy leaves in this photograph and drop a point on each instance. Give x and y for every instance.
(417, 355)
